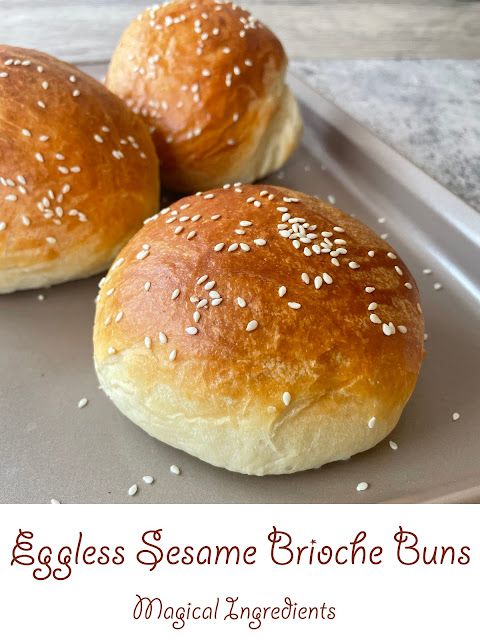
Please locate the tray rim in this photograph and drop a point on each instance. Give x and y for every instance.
(462, 216)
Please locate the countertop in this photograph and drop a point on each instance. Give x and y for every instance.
(429, 110)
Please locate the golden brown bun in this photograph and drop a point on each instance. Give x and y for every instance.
(301, 388)
(209, 80)
(78, 172)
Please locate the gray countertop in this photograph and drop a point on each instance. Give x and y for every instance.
(429, 110)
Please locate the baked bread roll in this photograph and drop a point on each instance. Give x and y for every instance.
(210, 81)
(259, 329)
(78, 172)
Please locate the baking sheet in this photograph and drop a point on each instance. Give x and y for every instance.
(51, 449)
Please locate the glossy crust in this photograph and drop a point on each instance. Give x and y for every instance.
(78, 172)
(256, 383)
(209, 80)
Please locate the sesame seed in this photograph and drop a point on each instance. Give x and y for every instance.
(455, 416)
(372, 422)
(251, 326)
(175, 294)
(391, 255)
(147, 285)
(191, 234)
(175, 470)
(387, 329)
(354, 265)
(257, 203)
(11, 198)
(172, 355)
(51, 240)
(245, 223)
(241, 302)
(82, 403)
(327, 278)
(398, 270)
(372, 306)
(178, 230)
(208, 196)
(286, 398)
(369, 289)
(362, 486)
(427, 272)
(142, 254)
(132, 490)
(233, 247)
(41, 104)
(437, 286)
(162, 337)
(305, 278)
(119, 316)
(72, 78)
(219, 246)
(147, 342)
(339, 229)
(282, 209)
(39, 157)
(408, 285)
(98, 138)
(192, 331)
(331, 199)
(244, 246)
(294, 305)
(111, 350)
(402, 328)
(148, 479)
(260, 242)
(318, 282)
(282, 291)
(110, 291)
(375, 319)
(26, 133)
(371, 253)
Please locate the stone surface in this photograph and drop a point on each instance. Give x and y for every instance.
(429, 110)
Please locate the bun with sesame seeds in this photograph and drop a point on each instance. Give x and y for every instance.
(78, 172)
(259, 329)
(210, 82)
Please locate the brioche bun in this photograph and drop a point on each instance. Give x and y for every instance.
(209, 80)
(259, 329)
(78, 172)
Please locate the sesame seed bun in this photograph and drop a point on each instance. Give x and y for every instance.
(209, 80)
(78, 172)
(259, 329)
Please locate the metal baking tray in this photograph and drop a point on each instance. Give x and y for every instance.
(51, 449)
